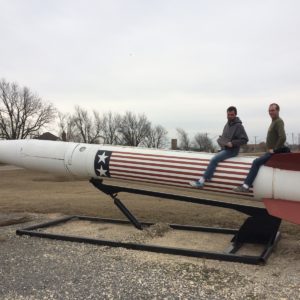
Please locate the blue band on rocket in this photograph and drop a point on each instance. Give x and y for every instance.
(101, 163)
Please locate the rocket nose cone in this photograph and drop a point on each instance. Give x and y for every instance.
(10, 152)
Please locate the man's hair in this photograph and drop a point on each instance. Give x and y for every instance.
(232, 108)
(276, 105)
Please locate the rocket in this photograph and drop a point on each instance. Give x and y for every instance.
(277, 183)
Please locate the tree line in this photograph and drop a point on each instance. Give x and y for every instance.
(23, 114)
(200, 142)
(111, 128)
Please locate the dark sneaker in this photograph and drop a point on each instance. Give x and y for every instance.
(196, 184)
(241, 189)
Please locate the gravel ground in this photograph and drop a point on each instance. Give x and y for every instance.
(34, 268)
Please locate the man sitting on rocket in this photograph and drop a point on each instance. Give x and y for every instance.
(275, 144)
(233, 136)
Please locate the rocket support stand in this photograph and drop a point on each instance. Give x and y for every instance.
(258, 228)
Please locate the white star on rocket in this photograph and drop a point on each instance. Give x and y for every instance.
(102, 157)
(102, 171)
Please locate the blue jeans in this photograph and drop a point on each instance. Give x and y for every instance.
(222, 155)
(256, 164)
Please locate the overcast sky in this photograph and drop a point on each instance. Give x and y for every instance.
(180, 62)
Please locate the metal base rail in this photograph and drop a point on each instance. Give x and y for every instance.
(258, 228)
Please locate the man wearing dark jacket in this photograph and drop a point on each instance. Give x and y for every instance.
(233, 136)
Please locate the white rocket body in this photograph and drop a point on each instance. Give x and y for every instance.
(175, 168)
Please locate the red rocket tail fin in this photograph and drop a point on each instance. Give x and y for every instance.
(283, 209)
(285, 161)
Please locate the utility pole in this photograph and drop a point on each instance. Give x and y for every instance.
(255, 142)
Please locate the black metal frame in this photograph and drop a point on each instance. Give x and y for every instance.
(258, 228)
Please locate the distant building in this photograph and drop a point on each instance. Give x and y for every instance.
(48, 136)
(174, 144)
(261, 147)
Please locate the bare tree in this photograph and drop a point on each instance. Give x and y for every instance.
(67, 126)
(22, 113)
(184, 140)
(134, 129)
(97, 126)
(157, 137)
(203, 143)
(89, 128)
(111, 127)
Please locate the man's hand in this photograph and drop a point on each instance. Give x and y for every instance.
(229, 145)
(271, 151)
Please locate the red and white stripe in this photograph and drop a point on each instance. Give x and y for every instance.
(177, 170)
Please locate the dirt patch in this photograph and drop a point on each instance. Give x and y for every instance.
(27, 192)
(24, 191)
(10, 219)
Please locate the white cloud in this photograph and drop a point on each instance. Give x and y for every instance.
(181, 62)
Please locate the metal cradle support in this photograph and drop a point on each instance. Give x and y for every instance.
(258, 228)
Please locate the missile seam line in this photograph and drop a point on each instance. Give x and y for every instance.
(44, 157)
